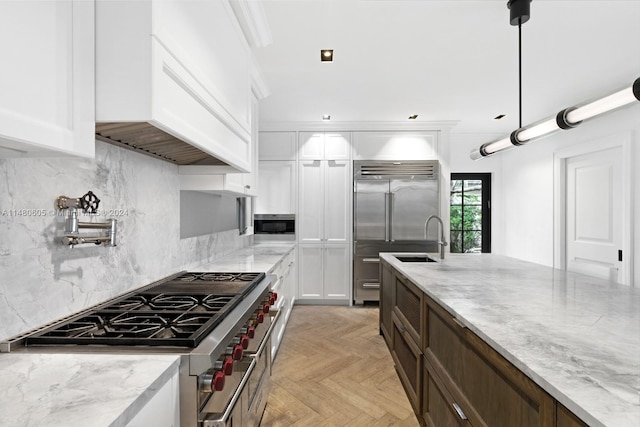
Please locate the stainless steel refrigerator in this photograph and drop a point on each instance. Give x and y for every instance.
(391, 202)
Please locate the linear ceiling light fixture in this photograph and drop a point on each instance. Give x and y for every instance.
(565, 119)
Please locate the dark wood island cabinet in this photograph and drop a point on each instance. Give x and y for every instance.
(451, 376)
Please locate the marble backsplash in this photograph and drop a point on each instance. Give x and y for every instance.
(41, 280)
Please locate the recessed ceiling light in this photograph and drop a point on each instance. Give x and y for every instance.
(326, 55)
(326, 117)
(499, 116)
(413, 117)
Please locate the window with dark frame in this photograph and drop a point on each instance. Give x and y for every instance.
(470, 215)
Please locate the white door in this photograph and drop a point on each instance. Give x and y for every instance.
(594, 226)
(311, 197)
(337, 205)
(336, 272)
(311, 279)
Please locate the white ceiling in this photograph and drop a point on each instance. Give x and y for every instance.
(443, 60)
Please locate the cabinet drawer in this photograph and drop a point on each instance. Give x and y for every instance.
(408, 305)
(498, 393)
(438, 407)
(408, 358)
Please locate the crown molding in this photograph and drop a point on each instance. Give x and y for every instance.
(253, 21)
(358, 126)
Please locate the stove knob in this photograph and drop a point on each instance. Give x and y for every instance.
(218, 381)
(211, 381)
(237, 352)
(265, 308)
(260, 317)
(251, 331)
(227, 366)
(244, 341)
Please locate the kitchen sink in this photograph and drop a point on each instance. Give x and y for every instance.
(415, 258)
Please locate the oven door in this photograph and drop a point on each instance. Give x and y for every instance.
(246, 406)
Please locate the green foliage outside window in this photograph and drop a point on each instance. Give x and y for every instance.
(466, 216)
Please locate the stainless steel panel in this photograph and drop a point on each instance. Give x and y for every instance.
(413, 202)
(370, 210)
(366, 265)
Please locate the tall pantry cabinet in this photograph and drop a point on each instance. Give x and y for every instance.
(324, 216)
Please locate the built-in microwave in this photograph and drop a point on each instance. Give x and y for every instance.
(274, 224)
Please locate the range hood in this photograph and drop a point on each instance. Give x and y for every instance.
(145, 138)
(175, 85)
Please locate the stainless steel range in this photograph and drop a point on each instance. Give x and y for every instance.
(220, 324)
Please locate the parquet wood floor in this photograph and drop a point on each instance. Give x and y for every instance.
(334, 369)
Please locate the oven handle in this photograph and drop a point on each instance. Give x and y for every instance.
(236, 394)
(232, 403)
(265, 340)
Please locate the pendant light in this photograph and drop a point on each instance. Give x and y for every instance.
(567, 118)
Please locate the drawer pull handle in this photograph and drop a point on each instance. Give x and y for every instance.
(459, 411)
(371, 260)
(371, 285)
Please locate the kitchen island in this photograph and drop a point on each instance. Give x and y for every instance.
(576, 337)
(40, 387)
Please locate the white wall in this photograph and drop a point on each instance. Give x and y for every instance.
(41, 280)
(523, 186)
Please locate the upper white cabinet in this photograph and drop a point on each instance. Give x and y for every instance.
(395, 145)
(325, 201)
(277, 193)
(324, 146)
(184, 67)
(278, 146)
(47, 78)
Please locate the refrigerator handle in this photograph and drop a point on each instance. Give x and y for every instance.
(391, 214)
(387, 214)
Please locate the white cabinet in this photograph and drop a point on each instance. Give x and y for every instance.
(163, 409)
(278, 146)
(47, 78)
(395, 145)
(324, 216)
(324, 213)
(324, 272)
(285, 287)
(182, 66)
(324, 146)
(277, 193)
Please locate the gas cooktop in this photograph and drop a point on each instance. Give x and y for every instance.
(178, 311)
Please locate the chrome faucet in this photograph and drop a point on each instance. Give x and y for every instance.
(89, 204)
(442, 242)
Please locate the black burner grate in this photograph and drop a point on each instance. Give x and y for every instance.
(180, 312)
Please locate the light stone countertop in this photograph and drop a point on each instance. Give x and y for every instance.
(259, 258)
(69, 390)
(576, 336)
(102, 389)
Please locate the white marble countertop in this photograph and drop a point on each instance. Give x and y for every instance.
(79, 389)
(102, 389)
(576, 336)
(259, 258)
